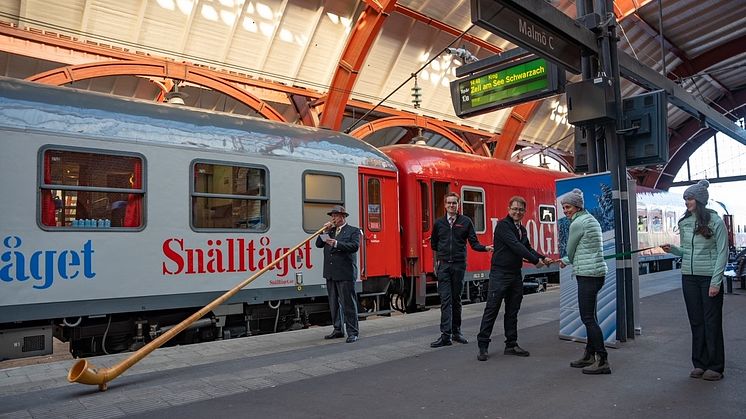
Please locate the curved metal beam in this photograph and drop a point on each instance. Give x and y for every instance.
(365, 32)
(531, 151)
(687, 139)
(707, 59)
(511, 131)
(441, 26)
(410, 121)
(624, 8)
(178, 71)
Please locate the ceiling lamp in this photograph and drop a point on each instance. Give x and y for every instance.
(176, 97)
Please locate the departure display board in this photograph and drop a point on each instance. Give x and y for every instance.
(506, 85)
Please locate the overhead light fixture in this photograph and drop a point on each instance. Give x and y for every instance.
(419, 139)
(176, 97)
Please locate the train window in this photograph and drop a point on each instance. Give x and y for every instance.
(321, 191)
(91, 190)
(656, 220)
(374, 205)
(670, 221)
(425, 205)
(472, 206)
(642, 220)
(229, 197)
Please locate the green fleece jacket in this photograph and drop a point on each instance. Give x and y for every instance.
(585, 246)
(701, 256)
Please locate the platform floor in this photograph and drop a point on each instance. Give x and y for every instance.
(391, 372)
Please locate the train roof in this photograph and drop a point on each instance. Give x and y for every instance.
(67, 111)
(439, 163)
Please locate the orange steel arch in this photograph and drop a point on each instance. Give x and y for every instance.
(179, 71)
(410, 121)
(359, 43)
(511, 131)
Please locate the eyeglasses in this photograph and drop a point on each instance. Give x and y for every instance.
(518, 209)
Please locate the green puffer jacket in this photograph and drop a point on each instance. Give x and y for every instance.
(701, 256)
(585, 247)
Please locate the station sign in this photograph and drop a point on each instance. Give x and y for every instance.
(509, 20)
(506, 85)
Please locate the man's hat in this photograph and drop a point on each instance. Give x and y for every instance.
(338, 209)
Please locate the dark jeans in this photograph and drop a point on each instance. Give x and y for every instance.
(588, 288)
(450, 286)
(343, 305)
(508, 286)
(706, 320)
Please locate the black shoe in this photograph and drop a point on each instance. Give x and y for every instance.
(483, 356)
(442, 341)
(516, 350)
(335, 335)
(352, 338)
(458, 337)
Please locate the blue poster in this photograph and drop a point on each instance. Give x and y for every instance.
(598, 202)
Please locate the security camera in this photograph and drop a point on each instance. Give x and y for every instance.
(462, 53)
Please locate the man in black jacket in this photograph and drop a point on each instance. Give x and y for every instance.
(448, 242)
(506, 281)
(341, 242)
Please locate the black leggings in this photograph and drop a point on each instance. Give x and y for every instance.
(588, 288)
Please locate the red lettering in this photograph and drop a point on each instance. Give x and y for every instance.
(231, 255)
(282, 265)
(250, 253)
(173, 256)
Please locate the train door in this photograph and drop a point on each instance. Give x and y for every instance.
(379, 223)
(432, 206)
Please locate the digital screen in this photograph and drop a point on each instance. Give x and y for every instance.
(500, 88)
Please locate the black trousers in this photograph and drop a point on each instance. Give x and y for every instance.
(507, 286)
(343, 305)
(588, 288)
(706, 320)
(450, 285)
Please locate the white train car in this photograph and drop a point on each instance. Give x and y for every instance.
(119, 217)
(658, 213)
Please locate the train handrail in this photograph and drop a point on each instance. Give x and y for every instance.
(84, 373)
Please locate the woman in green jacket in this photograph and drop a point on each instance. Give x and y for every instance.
(704, 252)
(586, 254)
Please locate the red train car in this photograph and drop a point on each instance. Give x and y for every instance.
(485, 185)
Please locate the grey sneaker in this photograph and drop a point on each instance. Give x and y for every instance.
(711, 375)
(697, 373)
(483, 356)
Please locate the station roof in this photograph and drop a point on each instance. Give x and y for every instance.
(298, 43)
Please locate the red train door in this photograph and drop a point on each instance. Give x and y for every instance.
(379, 219)
(432, 206)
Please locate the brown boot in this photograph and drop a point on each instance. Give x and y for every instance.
(586, 360)
(600, 366)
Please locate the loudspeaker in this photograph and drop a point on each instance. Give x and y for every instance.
(590, 102)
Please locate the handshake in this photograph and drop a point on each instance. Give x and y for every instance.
(546, 262)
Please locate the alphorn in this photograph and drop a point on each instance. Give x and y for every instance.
(84, 373)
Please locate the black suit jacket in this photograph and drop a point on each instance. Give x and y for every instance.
(340, 262)
(511, 248)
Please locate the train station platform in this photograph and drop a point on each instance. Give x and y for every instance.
(392, 372)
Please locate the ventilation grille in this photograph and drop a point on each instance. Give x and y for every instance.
(33, 343)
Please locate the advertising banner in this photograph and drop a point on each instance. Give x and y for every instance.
(598, 202)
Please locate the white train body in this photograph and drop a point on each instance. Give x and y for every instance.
(188, 242)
